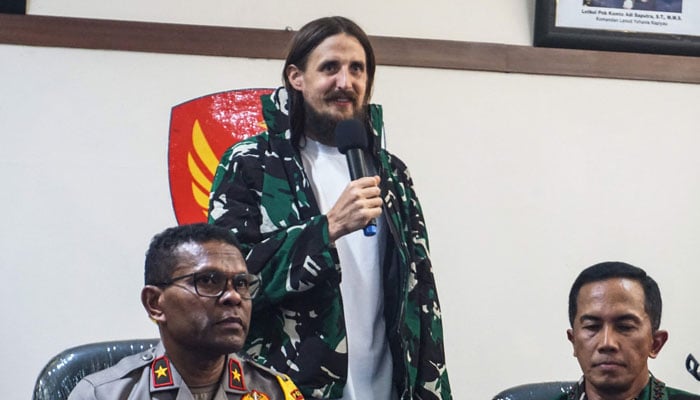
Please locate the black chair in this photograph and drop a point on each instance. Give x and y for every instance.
(65, 370)
(535, 391)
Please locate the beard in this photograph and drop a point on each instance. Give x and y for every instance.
(321, 126)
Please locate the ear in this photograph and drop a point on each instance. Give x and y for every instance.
(150, 298)
(570, 336)
(295, 76)
(659, 338)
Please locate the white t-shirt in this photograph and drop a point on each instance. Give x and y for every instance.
(370, 363)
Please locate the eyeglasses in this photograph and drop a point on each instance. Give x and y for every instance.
(214, 283)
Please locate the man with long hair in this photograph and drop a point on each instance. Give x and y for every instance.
(288, 196)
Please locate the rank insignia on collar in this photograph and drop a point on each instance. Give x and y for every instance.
(161, 375)
(255, 395)
(235, 375)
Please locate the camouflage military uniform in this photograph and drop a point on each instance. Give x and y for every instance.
(654, 390)
(261, 192)
(151, 375)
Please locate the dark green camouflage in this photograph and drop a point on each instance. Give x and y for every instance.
(261, 192)
(654, 390)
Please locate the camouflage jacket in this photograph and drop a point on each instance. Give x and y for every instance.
(261, 192)
(654, 390)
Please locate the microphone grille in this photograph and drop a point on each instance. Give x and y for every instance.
(350, 134)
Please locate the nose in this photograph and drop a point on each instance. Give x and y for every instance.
(608, 341)
(342, 79)
(230, 295)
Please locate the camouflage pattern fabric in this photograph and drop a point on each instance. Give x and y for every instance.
(654, 390)
(262, 194)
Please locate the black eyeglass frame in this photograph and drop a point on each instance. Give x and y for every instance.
(252, 280)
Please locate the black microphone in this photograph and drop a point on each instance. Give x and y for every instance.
(351, 138)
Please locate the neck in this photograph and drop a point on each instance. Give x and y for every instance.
(327, 139)
(196, 368)
(631, 393)
(593, 395)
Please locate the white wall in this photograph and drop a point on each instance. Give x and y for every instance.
(524, 181)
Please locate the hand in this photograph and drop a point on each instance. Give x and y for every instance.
(356, 206)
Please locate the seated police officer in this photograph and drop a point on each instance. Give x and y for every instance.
(615, 314)
(199, 293)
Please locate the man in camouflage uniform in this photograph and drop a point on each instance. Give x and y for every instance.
(202, 322)
(286, 193)
(615, 313)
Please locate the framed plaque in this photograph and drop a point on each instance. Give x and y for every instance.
(13, 6)
(643, 26)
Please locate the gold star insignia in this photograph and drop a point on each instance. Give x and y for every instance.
(236, 375)
(161, 372)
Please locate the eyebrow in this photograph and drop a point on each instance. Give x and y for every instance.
(621, 318)
(329, 62)
(194, 268)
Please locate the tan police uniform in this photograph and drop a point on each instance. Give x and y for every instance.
(151, 375)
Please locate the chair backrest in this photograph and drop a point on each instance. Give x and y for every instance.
(535, 391)
(65, 370)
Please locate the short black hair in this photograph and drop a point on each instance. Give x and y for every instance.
(616, 269)
(300, 48)
(161, 257)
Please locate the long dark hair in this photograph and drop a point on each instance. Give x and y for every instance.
(301, 46)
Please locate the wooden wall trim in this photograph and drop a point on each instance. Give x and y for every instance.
(34, 30)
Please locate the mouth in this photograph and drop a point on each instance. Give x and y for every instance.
(605, 365)
(231, 322)
(342, 98)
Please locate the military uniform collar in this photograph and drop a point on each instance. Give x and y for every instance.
(234, 381)
(654, 390)
(164, 375)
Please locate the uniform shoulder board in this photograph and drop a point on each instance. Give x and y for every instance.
(161, 372)
(235, 375)
(122, 368)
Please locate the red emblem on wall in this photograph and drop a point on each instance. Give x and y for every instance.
(200, 132)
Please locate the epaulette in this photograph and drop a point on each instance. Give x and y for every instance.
(123, 368)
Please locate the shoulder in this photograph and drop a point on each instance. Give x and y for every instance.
(260, 149)
(116, 374)
(253, 144)
(659, 390)
(258, 368)
(124, 367)
(248, 154)
(260, 377)
(677, 394)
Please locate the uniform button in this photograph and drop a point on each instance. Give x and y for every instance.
(147, 356)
